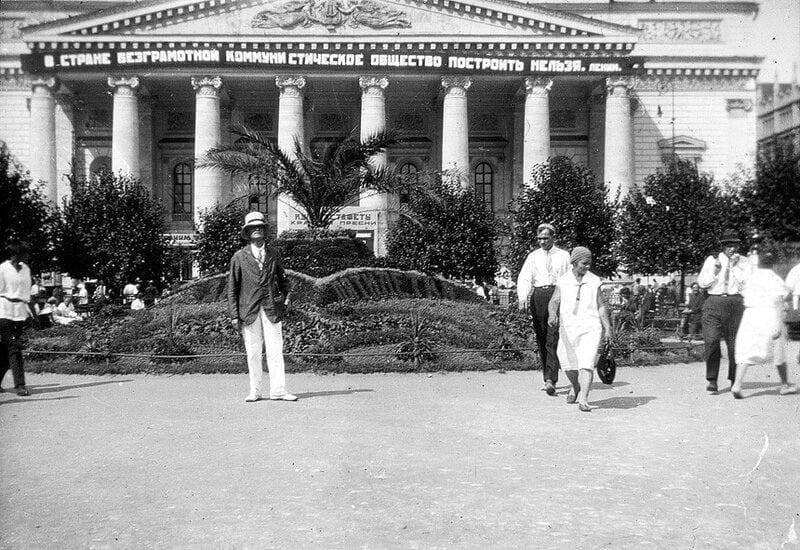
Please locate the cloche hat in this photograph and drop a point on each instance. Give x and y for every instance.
(253, 219)
(729, 236)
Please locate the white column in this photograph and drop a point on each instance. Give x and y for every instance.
(741, 133)
(208, 189)
(43, 136)
(455, 128)
(290, 131)
(537, 124)
(373, 120)
(618, 148)
(125, 126)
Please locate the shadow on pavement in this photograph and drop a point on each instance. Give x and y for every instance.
(623, 402)
(33, 399)
(330, 393)
(50, 388)
(564, 390)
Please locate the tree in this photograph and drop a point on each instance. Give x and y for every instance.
(322, 181)
(672, 222)
(25, 214)
(568, 196)
(219, 235)
(111, 228)
(771, 200)
(445, 230)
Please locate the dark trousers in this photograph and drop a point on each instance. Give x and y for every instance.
(546, 336)
(721, 318)
(11, 351)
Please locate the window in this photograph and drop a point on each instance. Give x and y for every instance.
(258, 194)
(410, 176)
(484, 184)
(182, 176)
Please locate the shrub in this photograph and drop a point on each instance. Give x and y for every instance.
(219, 236)
(319, 253)
(445, 231)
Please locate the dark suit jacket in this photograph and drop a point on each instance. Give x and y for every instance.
(251, 288)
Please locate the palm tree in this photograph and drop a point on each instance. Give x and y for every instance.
(321, 182)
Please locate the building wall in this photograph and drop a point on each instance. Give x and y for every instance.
(15, 119)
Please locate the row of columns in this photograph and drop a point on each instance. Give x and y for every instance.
(618, 150)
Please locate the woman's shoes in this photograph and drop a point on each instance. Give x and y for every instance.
(584, 407)
(571, 397)
(788, 389)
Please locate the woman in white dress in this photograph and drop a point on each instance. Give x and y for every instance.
(762, 332)
(579, 310)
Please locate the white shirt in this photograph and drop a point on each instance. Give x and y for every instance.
(541, 268)
(65, 309)
(16, 285)
(130, 290)
(137, 304)
(716, 284)
(793, 280)
(258, 253)
(578, 312)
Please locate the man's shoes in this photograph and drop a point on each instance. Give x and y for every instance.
(737, 394)
(549, 387)
(252, 398)
(2, 390)
(788, 389)
(712, 386)
(23, 391)
(283, 397)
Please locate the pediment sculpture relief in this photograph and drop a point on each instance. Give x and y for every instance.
(289, 14)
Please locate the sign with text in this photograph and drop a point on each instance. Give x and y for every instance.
(181, 239)
(361, 60)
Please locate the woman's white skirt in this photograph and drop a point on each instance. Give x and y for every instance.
(761, 336)
(578, 351)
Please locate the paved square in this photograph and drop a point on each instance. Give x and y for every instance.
(469, 460)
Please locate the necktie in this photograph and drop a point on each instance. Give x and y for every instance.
(548, 266)
(578, 299)
(260, 258)
(727, 276)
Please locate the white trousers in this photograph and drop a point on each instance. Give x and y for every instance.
(257, 335)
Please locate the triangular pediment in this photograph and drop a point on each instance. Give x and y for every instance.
(682, 142)
(252, 19)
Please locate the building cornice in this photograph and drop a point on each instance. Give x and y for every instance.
(649, 8)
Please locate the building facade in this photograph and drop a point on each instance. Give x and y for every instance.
(779, 116)
(483, 88)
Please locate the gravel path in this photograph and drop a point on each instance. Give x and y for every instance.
(468, 460)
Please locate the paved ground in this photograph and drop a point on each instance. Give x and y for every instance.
(468, 460)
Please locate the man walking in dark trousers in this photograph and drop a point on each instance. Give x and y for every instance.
(723, 276)
(535, 286)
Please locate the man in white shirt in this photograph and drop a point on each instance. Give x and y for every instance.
(15, 295)
(535, 286)
(723, 276)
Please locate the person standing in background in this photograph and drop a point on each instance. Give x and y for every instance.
(723, 276)
(15, 309)
(535, 286)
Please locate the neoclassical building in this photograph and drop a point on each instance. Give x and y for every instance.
(487, 88)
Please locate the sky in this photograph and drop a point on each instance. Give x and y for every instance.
(778, 38)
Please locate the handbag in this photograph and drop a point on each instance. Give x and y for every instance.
(606, 365)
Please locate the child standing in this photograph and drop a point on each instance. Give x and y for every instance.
(762, 332)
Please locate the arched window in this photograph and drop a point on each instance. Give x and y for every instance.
(258, 194)
(410, 175)
(182, 176)
(100, 164)
(484, 184)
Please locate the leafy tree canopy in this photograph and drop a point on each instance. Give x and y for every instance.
(568, 196)
(772, 199)
(25, 214)
(111, 228)
(445, 230)
(673, 222)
